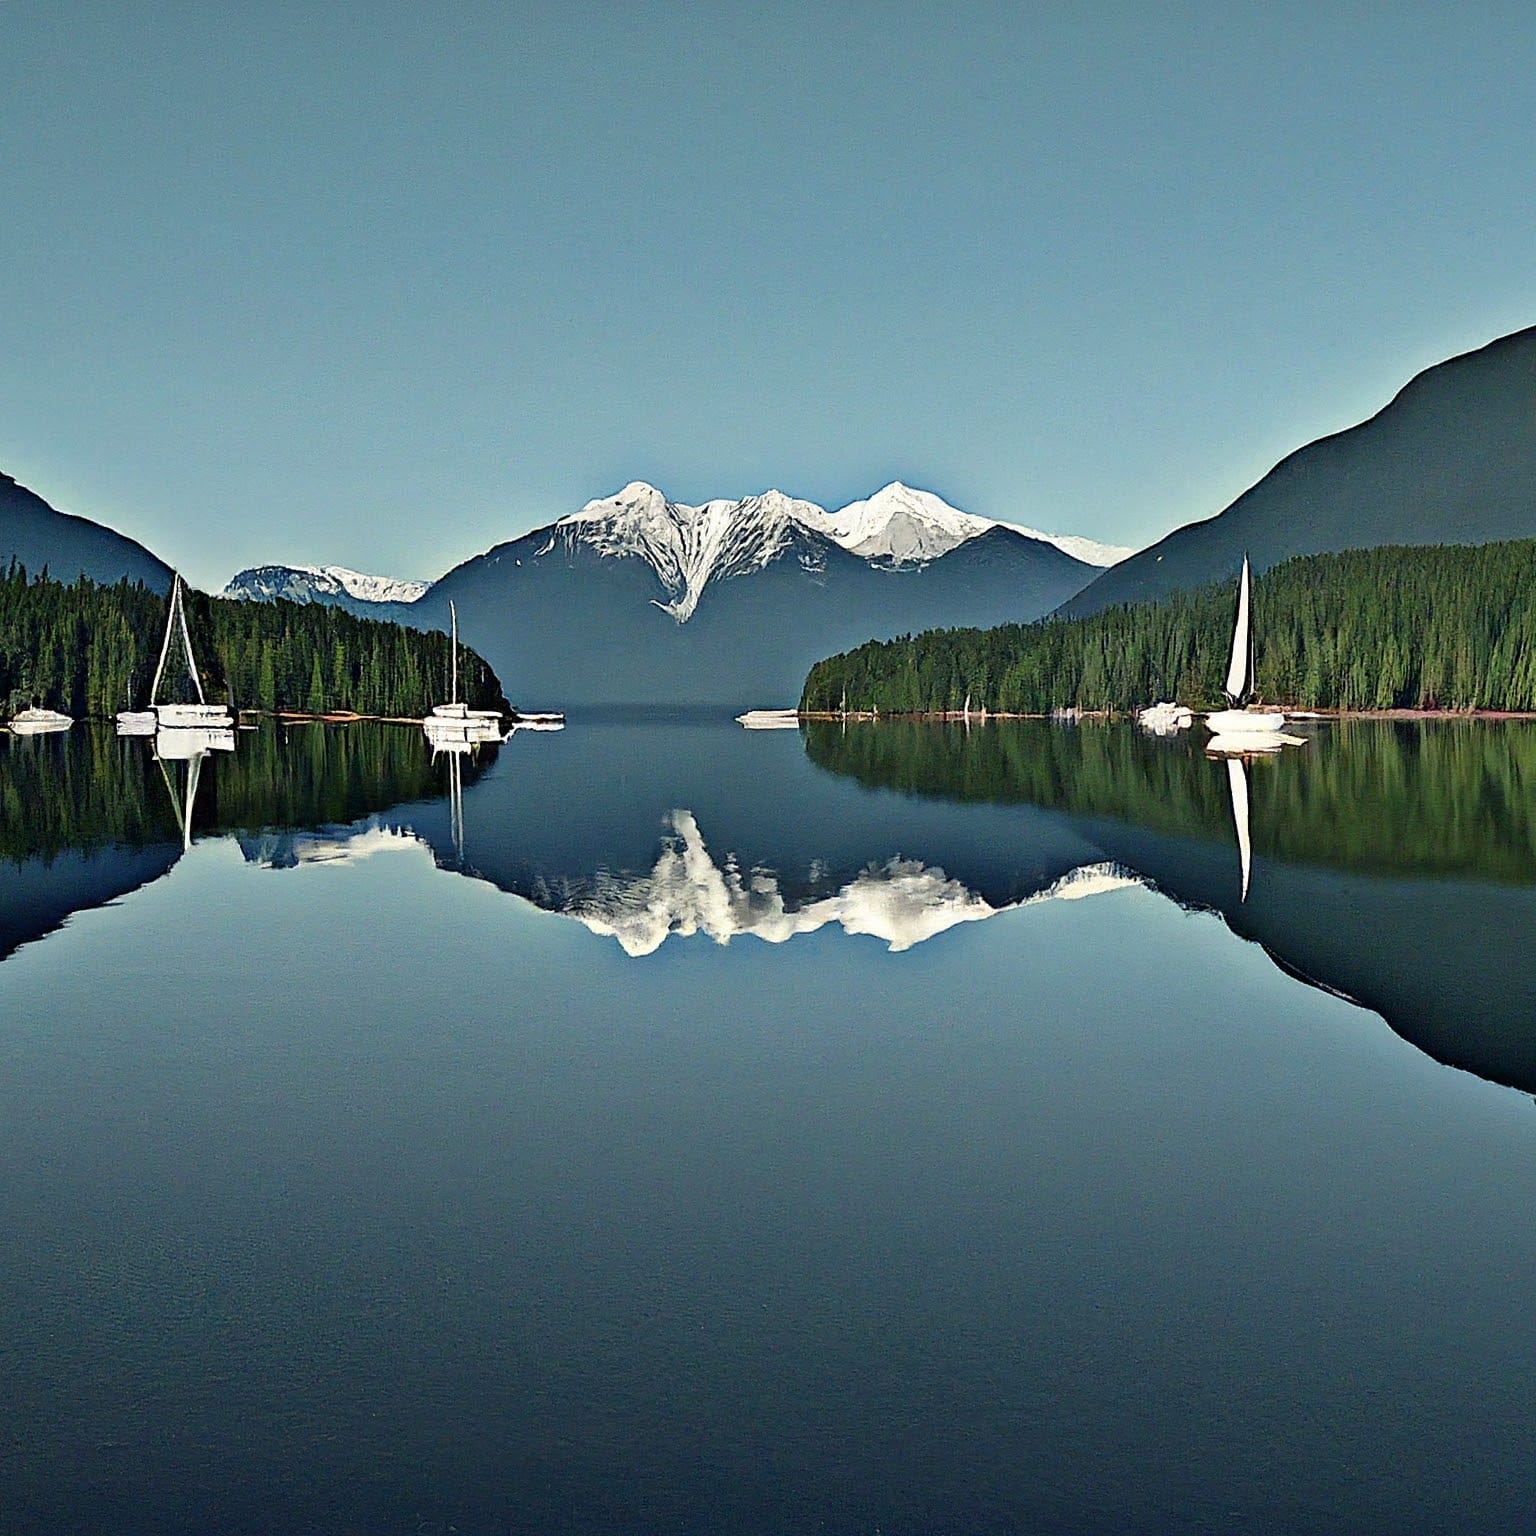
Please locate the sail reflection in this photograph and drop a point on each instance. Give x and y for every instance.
(1237, 783)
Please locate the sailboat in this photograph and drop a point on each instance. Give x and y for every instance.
(454, 721)
(201, 716)
(1238, 728)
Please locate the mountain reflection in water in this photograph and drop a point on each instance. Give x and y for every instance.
(1394, 864)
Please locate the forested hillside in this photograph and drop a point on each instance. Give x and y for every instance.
(90, 650)
(1446, 626)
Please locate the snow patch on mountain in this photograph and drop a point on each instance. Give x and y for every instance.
(316, 583)
(1089, 551)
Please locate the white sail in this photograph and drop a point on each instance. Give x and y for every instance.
(1240, 668)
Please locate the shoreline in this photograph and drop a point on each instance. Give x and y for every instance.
(979, 717)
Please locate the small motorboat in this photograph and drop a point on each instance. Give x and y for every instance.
(39, 722)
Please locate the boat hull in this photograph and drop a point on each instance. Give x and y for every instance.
(770, 720)
(449, 712)
(1244, 722)
(193, 717)
(39, 722)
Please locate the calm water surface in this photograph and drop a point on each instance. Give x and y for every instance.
(891, 1129)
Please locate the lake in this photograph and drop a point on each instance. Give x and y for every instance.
(659, 1126)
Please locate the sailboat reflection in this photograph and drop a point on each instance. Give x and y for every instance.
(1237, 782)
(189, 746)
(455, 749)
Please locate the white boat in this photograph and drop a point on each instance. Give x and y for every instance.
(1164, 718)
(201, 716)
(454, 720)
(39, 722)
(770, 720)
(1239, 720)
(449, 733)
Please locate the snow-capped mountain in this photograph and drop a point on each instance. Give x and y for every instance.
(320, 584)
(639, 599)
(902, 524)
(690, 546)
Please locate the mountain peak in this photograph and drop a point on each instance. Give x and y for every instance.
(688, 546)
(902, 524)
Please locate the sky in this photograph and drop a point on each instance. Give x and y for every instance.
(383, 285)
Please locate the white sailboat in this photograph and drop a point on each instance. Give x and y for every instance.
(1238, 728)
(455, 722)
(201, 716)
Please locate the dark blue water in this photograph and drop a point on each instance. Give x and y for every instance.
(709, 1136)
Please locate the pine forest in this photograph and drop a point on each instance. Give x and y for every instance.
(1447, 626)
(90, 650)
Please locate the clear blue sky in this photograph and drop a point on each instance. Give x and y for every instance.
(384, 284)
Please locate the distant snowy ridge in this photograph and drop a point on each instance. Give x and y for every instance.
(690, 546)
(906, 525)
(1089, 551)
(316, 583)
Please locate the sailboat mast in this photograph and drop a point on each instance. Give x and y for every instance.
(453, 614)
(186, 636)
(165, 644)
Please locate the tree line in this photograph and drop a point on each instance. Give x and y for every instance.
(1447, 626)
(1392, 797)
(90, 651)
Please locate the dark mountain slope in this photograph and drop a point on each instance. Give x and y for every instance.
(38, 535)
(1452, 460)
